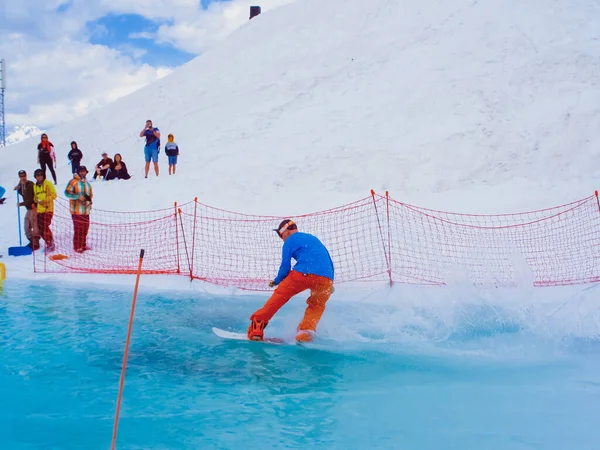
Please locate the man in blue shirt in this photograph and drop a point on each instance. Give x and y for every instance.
(313, 270)
(152, 146)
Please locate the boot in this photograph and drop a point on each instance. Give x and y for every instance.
(256, 330)
(305, 336)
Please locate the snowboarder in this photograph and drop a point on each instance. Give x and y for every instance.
(313, 270)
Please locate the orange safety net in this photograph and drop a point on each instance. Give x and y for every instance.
(373, 239)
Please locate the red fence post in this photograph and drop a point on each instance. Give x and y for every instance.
(177, 241)
(597, 201)
(194, 239)
(385, 252)
(387, 207)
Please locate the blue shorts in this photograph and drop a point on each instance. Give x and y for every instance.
(172, 160)
(151, 153)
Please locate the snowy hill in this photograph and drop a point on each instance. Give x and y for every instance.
(21, 133)
(471, 106)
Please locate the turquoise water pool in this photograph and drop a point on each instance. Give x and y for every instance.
(383, 376)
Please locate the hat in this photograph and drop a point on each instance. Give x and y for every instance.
(22, 172)
(104, 153)
(82, 168)
(287, 224)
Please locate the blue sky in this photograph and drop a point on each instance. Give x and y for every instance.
(114, 31)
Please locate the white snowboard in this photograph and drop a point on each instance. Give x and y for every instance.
(244, 337)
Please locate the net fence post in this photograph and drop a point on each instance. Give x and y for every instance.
(389, 230)
(385, 251)
(177, 241)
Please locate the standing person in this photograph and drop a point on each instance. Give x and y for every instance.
(313, 270)
(44, 196)
(46, 156)
(79, 193)
(172, 151)
(25, 189)
(103, 167)
(152, 147)
(75, 155)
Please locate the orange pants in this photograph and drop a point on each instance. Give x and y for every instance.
(321, 289)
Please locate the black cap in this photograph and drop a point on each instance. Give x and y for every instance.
(287, 224)
(82, 168)
(22, 172)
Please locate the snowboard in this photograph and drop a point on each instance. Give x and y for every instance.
(244, 337)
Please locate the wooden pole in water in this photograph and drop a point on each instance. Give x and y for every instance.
(137, 282)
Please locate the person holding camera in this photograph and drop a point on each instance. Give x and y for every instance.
(79, 193)
(152, 147)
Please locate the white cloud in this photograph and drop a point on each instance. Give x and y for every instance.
(55, 73)
(196, 32)
(142, 35)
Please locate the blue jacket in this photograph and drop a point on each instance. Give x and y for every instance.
(310, 255)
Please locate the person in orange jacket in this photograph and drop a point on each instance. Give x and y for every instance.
(313, 270)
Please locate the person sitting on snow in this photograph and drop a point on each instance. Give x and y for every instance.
(118, 170)
(103, 167)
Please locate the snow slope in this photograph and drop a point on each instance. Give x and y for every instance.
(463, 105)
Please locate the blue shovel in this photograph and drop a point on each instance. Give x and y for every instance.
(20, 250)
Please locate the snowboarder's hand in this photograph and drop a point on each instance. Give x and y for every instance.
(271, 283)
(81, 198)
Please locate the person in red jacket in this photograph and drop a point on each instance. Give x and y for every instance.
(46, 156)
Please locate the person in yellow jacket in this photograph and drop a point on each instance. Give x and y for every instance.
(44, 195)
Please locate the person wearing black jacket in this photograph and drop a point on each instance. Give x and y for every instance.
(118, 170)
(46, 156)
(25, 189)
(103, 167)
(75, 156)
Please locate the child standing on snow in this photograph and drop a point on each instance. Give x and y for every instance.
(75, 156)
(172, 151)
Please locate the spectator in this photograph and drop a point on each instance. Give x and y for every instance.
(25, 189)
(44, 196)
(118, 170)
(46, 156)
(2, 192)
(79, 192)
(103, 167)
(75, 155)
(152, 147)
(172, 151)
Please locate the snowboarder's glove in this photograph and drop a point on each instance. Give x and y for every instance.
(271, 283)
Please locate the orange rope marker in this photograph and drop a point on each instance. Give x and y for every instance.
(137, 282)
